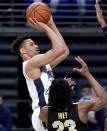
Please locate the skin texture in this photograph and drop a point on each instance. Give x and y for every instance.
(99, 15)
(86, 91)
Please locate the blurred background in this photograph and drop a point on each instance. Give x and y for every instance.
(76, 20)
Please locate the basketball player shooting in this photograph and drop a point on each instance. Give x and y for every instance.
(37, 68)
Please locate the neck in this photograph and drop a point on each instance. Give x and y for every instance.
(25, 57)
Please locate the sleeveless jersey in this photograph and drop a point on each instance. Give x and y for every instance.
(39, 88)
(65, 121)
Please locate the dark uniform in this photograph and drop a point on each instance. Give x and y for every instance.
(105, 31)
(65, 121)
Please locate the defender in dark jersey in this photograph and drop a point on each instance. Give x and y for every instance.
(62, 114)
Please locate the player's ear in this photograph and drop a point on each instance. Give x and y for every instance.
(22, 51)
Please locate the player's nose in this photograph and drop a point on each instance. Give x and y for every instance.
(36, 46)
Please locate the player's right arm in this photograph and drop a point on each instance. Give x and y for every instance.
(100, 18)
(94, 104)
(99, 90)
(99, 15)
(56, 50)
(52, 25)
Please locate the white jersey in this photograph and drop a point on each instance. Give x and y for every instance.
(39, 88)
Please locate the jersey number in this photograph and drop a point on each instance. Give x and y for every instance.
(68, 123)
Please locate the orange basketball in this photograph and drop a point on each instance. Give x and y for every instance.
(40, 11)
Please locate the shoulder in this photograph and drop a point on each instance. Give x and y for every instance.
(24, 63)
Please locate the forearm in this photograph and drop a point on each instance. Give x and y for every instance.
(54, 28)
(99, 90)
(102, 23)
(100, 16)
(56, 43)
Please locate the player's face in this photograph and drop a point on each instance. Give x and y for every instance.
(31, 48)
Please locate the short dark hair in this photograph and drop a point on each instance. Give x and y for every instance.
(59, 94)
(17, 43)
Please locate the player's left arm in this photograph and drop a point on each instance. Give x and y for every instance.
(99, 90)
(52, 25)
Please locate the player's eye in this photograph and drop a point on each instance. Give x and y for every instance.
(32, 44)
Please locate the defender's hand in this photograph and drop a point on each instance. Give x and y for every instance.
(84, 69)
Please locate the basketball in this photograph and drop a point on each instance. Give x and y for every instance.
(40, 11)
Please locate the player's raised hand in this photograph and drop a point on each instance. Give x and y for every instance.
(84, 69)
(50, 22)
(35, 24)
(97, 1)
(99, 15)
